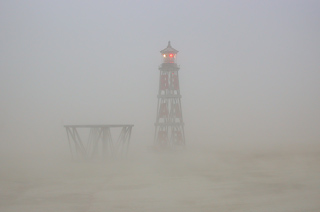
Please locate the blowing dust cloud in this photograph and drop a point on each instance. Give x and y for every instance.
(99, 112)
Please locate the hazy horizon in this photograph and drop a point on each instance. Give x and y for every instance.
(249, 80)
(249, 70)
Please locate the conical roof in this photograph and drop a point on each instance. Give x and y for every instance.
(169, 49)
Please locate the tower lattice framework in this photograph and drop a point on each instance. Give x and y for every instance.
(169, 125)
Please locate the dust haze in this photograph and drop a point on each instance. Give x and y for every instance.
(249, 80)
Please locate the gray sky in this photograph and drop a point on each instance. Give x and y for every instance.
(250, 70)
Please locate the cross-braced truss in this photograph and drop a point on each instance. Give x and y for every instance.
(95, 141)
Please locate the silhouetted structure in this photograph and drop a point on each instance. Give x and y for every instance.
(99, 144)
(169, 126)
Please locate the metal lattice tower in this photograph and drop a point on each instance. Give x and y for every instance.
(169, 126)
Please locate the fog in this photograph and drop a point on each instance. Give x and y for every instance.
(250, 85)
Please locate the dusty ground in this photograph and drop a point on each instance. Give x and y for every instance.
(191, 181)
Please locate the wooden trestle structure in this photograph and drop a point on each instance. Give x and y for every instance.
(99, 143)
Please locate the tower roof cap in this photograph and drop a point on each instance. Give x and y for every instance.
(169, 49)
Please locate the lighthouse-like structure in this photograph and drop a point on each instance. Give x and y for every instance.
(169, 125)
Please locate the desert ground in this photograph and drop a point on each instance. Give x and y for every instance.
(191, 180)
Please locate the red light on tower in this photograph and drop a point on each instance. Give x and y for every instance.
(169, 54)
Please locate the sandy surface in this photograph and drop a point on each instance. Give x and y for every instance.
(190, 181)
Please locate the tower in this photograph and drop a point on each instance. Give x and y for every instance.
(169, 126)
